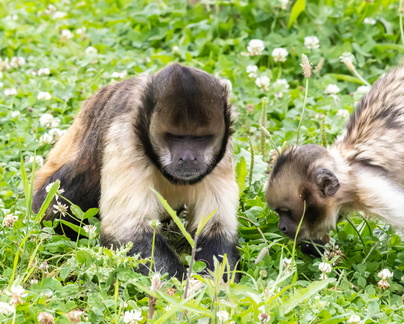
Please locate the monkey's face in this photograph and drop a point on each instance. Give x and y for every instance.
(299, 187)
(187, 155)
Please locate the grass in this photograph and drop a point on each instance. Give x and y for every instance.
(88, 44)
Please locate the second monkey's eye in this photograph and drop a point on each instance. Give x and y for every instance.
(283, 211)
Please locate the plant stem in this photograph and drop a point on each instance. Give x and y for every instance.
(304, 108)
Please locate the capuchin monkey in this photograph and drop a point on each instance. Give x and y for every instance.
(170, 131)
(363, 170)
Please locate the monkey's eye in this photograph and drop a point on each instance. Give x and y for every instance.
(202, 138)
(283, 212)
(175, 137)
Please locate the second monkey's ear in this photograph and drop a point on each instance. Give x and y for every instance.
(326, 182)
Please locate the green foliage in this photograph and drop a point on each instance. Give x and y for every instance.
(88, 44)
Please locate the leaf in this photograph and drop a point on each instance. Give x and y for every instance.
(297, 9)
(304, 294)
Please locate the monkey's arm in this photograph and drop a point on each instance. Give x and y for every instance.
(218, 192)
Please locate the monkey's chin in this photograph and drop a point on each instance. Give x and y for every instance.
(184, 180)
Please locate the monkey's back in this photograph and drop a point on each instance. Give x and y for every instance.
(374, 135)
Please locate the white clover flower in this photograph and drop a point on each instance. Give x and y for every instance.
(119, 75)
(286, 262)
(17, 61)
(280, 54)
(46, 139)
(91, 50)
(9, 220)
(252, 71)
(43, 71)
(38, 160)
(59, 14)
(6, 309)
(48, 294)
(332, 89)
(4, 65)
(44, 265)
(222, 315)
(56, 133)
(263, 82)
(132, 317)
(90, 229)
(281, 86)
(264, 317)
(59, 192)
(154, 223)
(74, 315)
(15, 114)
(325, 268)
(81, 30)
(176, 48)
(17, 290)
(44, 96)
(343, 113)
(51, 9)
(48, 121)
(66, 34)
(284, 4)
(255, 47)
(354, 319)
(311, 42)
(60, 208)
(33, 281)
(361, 91)
(347, 58)
(10, 92)
(45, 318)
(385, 274)
(282, 82)
(369, 21)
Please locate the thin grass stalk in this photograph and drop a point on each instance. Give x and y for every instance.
(263, 125)
(306, 91)
(323, 132)
(250, 174)
(295, 240)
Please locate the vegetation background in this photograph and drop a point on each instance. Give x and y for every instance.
(55, 54)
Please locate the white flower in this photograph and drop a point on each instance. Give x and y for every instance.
(255, 47)
(60, 208)
(332, 89)
(311, 42)
(119, 75)
(354, 319)
(56, 133)
(38, 160)
(176, 48)
(51, 9)
(81, 31)
(66, 34)
(385, 274)
(91, 50)
(43, 71)
(45, 139)
(343, 113)
(90, 229)
(286, 262)
(222, 315)
(284, 4)
(17, 61)
(17, 291)
(9, 220)
(4, 64)
(10, 92)
(44, 96)
(263, 82)
(132, 317)
(6, 309)
(347, 58)
(58, 15)
(33, 281)
(280, 86)
(279, 54)
(325, 268)
(45, 318)
(252, 71)
(44, 265)
(48, 121)
(369, 21)
(362, 90)
(154, 223)
(264, 317)
(15, 114)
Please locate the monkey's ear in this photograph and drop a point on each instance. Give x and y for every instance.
(326, 182)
